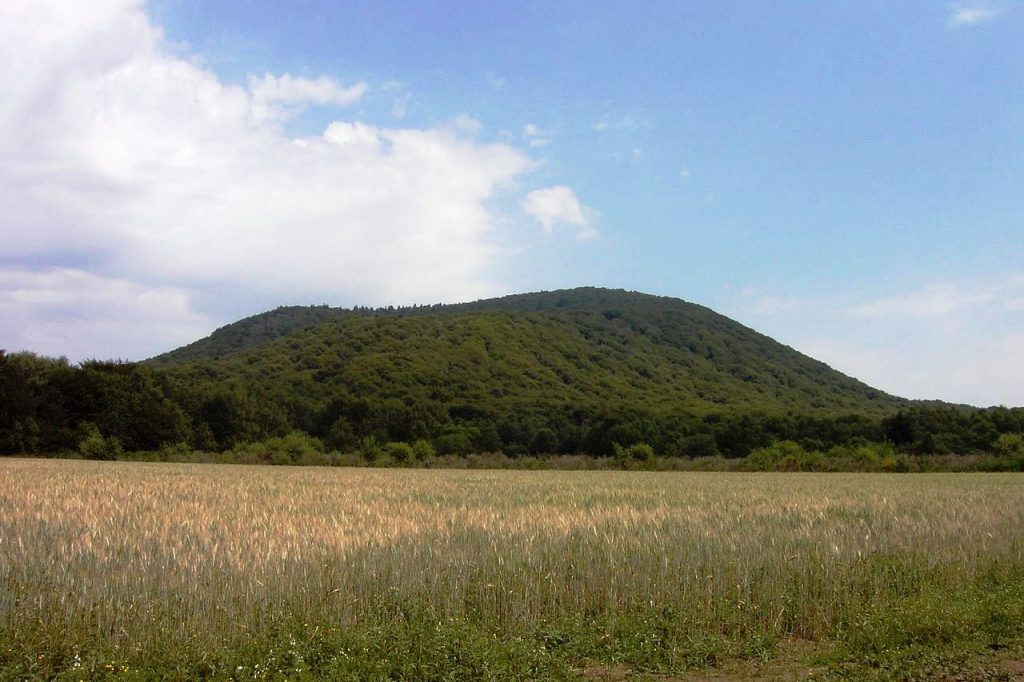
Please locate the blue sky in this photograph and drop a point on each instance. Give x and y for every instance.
(843, 176)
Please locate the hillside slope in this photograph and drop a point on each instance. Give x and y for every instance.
(250, 332)
(717, 349)
(584, 348)
(582, 371)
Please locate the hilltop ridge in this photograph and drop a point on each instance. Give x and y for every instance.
(566, 371)
(688, 350)
(583, 370)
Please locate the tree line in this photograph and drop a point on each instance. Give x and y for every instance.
(101, 408)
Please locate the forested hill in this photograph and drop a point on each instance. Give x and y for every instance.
(589, 348)
(251, 331)
(606, 345)
(677, 319)
(575, 371)
(674, 352)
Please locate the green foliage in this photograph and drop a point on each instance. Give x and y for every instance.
(1009, 444)
(175, 452)
(1010, 448)
(785, 455)
(524, 375)
(698, 445)
(252, 331)
(637, 454)
(292, 448)
(640, 452)
(551, 373)
(620, 455)
(402, 453)
(423, 451)
(93, 445)
(860, 456)
(456, 442)
(933, 633)
(370, 449)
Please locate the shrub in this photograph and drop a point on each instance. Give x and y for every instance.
(620, 455)
(1010, 448)
(454, 443)
(896, 463)
(641, 452)
(93, 445)
(861, 455)
(369, 448)
(289, 449)
(423, 451)
(1009, 444)
(699, 445)
(400, 452)
(785, 455)
(174, 452)
(637, 453)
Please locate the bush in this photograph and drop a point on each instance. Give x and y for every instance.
(423, 451)
(370, 449)
(93, 445)
(281, 450)
(641, 452)
(1010, 449)
(620, 455)
(898, 463)
(785, 455)
(1009, 444)
(781, 456)
(862, 456)
(454, 443)
(699, 445)
(174, 452)
(402, 453)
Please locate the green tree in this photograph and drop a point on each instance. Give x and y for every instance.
(94, 445)
(423, 451)
(641, 452)
(1009, 444)
(401, 452)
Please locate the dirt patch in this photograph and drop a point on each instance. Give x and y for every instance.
(1012, 667)
(790, 664)
(605, 673)
(768, 673)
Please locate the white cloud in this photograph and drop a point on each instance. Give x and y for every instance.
(935, 299)
(958, 341)
(142, 167)
(400, 106)
(627, 122)
(981, 370)
(559, 205)
(50, 311)
(276, 96)
(464, 124)
(535, 137)
(769, 304)
(495, 81)
(968, 15)
(685, 173)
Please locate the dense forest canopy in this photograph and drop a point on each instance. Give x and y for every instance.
(580, 371)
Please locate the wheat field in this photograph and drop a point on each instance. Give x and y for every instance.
(144, 557)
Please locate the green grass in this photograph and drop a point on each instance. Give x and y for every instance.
(161, 571)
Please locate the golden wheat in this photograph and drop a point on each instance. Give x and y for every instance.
(137, 551)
